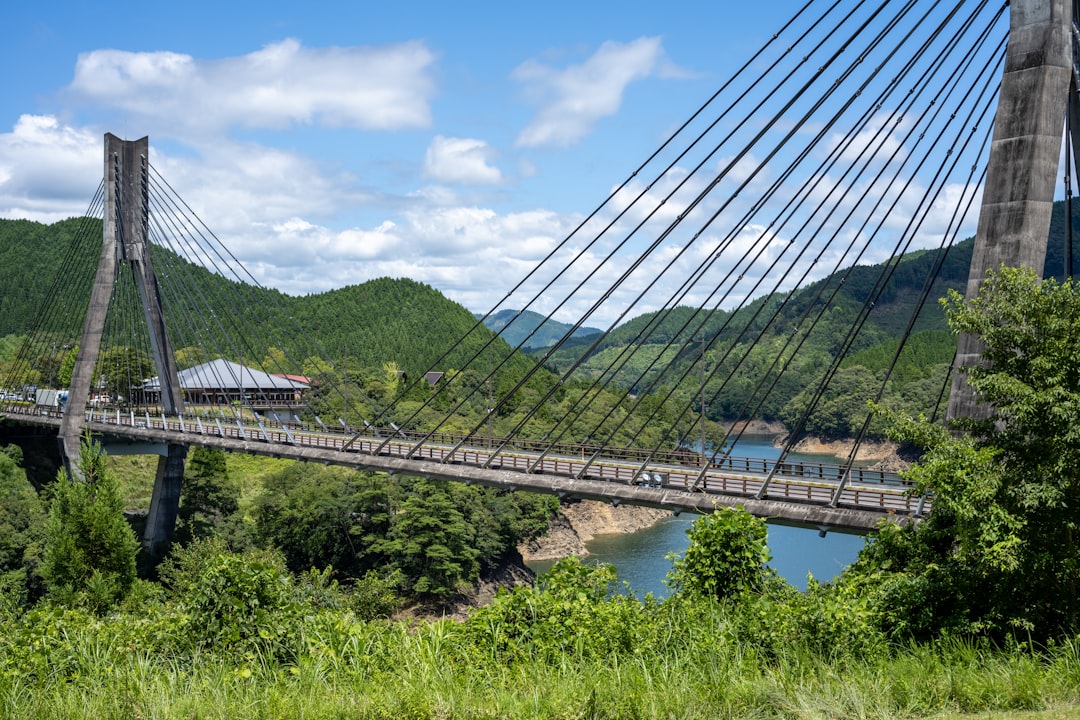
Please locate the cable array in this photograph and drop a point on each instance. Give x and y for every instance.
(718, 268)
(859, 141)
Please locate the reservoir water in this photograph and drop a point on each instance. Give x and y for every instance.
(641, 557)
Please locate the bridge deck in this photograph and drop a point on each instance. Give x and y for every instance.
(806, 494)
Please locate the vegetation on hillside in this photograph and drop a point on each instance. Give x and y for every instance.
(286, 612)
(365, 329)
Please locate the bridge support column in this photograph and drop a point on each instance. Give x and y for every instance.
(126, 243)
(1021, 175)
(165, 502)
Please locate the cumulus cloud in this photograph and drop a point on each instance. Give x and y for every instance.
(572, 99)
(48, 171)
(281, 85)
(878, 140)
(460, 160)
(438, 246)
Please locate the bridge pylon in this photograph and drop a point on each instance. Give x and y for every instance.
(125, 245)
(1038, 87)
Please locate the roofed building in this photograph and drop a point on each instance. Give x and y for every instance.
(221, 382)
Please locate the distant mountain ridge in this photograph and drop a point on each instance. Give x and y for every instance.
(544, 331)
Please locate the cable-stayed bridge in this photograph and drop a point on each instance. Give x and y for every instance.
(757, 243)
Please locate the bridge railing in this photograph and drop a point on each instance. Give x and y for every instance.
(811, 483)
(655, 459)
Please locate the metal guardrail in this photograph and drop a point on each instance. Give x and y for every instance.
(797, 482)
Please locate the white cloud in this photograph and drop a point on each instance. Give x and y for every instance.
(48, 171)
(571, 100)
(438, 246)
(282, 85)
(460, 160)
(877, 141)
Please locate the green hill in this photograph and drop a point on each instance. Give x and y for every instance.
(541, 332)
(412, 325)
(381, 321)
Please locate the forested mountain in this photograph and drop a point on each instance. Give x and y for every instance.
(541, 332)
(915, 383)
(30, 253)
(411, 325)
(382, 321)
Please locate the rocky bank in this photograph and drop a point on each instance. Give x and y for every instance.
(579, 521)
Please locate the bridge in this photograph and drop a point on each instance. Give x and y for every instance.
(156, 339)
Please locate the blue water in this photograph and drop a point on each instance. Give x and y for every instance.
(641, 558)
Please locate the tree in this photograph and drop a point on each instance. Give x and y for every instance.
(22, 525)
(123, 368)
(727, 557)
(67, 367)
(998, 553)
(325, 516)
(208, 496)
(430, 541)
(89, 547)
(238, 602)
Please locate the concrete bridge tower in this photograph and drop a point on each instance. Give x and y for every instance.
(126, 242)
(1038, 85)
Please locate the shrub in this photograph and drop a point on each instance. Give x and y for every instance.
(727, 556)
(241, 602)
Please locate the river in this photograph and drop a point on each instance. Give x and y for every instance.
(641, 557)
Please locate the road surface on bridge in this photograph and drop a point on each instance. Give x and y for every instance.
(797, 493)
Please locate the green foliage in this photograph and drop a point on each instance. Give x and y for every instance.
(375, 595)
(575, 611)
(208, 496)
(89, 547)
(841, 410)
(431, 542)
(121, 368)
(29, 253)
(998, 553)
(838, 620)
(360, 522)
(237, 602)
(727, 556)
(67, 367)
(326, 516)
(22, 530)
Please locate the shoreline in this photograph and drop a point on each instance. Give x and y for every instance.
(579, 521)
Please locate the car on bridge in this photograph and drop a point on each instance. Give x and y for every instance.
(651, 479)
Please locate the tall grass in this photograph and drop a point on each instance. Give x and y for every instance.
(537, 655)
(384, 670)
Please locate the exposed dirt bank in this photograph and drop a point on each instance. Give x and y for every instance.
(582, 520)
(869, 450)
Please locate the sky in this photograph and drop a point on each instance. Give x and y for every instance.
(327, 144)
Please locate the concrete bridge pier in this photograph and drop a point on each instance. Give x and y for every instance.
(165, 502)
(126, 241)
(1022, 172)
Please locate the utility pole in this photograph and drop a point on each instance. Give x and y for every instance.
(704, 460)
(491, 394)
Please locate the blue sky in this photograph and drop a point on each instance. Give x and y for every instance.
(330, 143)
